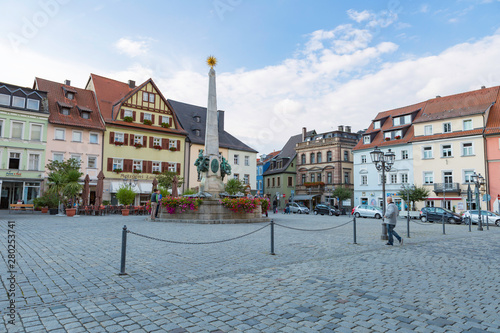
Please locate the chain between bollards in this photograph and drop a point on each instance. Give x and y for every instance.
(272, 237)
(124, 251)
(354, 229)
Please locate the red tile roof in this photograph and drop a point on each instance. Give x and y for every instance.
(447, 135)
(83, 99)
(493, 124)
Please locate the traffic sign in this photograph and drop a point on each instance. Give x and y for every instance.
(284, 195)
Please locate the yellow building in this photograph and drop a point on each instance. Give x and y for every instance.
(142, 137)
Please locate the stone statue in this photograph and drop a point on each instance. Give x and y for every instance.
(175, 182)
(225, 168)
(201, 163)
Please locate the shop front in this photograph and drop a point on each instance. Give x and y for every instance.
(16, 190)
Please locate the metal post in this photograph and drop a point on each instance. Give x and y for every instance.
(272, 237)
(384, 226)
(470, 222)
(478, 201)
(408, 214)
(124, 250)
(444, 206)
(354, 229)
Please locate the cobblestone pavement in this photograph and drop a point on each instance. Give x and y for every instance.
(67, 277)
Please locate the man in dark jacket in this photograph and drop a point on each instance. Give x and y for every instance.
(391, 216)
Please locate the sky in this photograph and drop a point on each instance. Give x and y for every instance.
(282, 64)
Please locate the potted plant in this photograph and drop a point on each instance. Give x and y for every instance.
(157, 147)
(137, 145)
(137, 170)
(165, 125)
(126, 197)
(387, 139)
(117, 170)
(147, 122)
(128, 119)
(64, 180)
(397, 137)
(172, 148)
(118, 143)
(45, 202)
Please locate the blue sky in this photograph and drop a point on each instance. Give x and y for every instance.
(282, 64)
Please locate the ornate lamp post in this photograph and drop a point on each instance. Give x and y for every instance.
(130, 182)
(478, 181)
(383, 162)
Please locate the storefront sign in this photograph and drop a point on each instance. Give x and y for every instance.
(137, 176)
(13, 174)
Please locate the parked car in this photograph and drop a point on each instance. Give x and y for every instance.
(325, 209)
(368, 211)
(299, 208)
(491, 217)
(437, 214)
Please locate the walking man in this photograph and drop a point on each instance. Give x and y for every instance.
(154, 203)
(391, 215)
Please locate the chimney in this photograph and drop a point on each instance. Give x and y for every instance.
(437, 96)
(483, 87)
(131, 84)
(220, 118)
(304, 131)
(341, 128)
(67, 82)
(348, 129)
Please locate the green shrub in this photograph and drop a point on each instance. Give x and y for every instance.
(125, 195)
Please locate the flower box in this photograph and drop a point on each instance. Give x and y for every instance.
(138, 145)
(117, 170)
(387, 139)
(157, 147)
(156, 172)
(118, 143)
(137, 171)
(165, 125)
(309, 184)
(147, 122)
(172, 149)
(128, 119)
(397, 137)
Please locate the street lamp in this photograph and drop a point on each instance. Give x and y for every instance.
(130, 182)
(478, 181)
(383, 162)
(408, 189)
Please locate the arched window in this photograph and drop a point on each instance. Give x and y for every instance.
(312, 158)
(318, 157)
(303, 159)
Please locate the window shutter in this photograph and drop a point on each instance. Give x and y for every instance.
(110, 164)
(122, 113)
(125, 139)
(170, 121)
(131, 139)
(145, 141)
(133, 115)
(127, 165)
(150, 166)
(178, 168)
(178, 145)
(111, 137)
(151, 142)
(164, 143)
(164, 166)
(153, 118)
(142, 117)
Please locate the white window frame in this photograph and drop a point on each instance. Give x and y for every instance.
(394, 178)
(117, 164)
(85, 115)
(404, 178)
(431, 153)
(58, 153)
(20, 158)
(236, 159)
(36, 167)
(138, 139)
(464, 175)
(172, 144)
(90, 138)
(12, 122)
(145, 96)
(450, 151)
(77, 157)
(366, 139)
(157, 167)
(467, 121)
(430, 175)
(407, 119)
(156, 141)
(2, 126)
(363, 159)
(404, 154)
(151, 98)
(247, 160)
(246, 179)
(14, 98)
(462, 146)
(445, 125)
(364, 180)
(73, 133)
(396, 121)
(119, 135)
(8, 97)
(31, 131)
(148, 116)
(60, 130)
(88, 162)
(428, 130)
(387, 135)
(137, 165)
(128, 113)
(30, 100)
(172, 167)
(376, 124)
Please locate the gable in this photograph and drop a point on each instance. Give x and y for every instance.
(148, 98)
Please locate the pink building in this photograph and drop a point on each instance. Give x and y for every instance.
(492, 136)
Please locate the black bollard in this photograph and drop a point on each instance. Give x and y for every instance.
(470, 222)
(124, 250)
(354, 229)
(272, 237)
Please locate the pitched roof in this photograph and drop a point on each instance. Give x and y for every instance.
(83, 100)
(287, 154)
(447, 135)
(493, 124)
(193, 119)
(377, 135)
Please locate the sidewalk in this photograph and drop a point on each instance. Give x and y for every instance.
(67, 277)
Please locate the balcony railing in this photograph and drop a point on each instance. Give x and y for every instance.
(447, 187)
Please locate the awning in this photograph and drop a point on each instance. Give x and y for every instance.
(146, 187)
(116, 185)
(301, 197)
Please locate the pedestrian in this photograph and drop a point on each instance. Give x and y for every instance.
(390, 218)
(154, 203)
(159, 203)
(287, 209)
(275, 206)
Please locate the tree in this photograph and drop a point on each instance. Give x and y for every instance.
(63, 179)
(342, 193)
(414, 194)
(234, 186)
(166, 178)
(125, 195)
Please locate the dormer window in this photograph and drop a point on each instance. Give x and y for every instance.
(4, 99)
(33, 104)
(376, 124)
(197, 119)
(18, 101)
(70, 95)
(85, 115)
(197, 132)
(366, 139)
(403, 120)
(65, 111)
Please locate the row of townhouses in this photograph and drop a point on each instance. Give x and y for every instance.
(129, 132)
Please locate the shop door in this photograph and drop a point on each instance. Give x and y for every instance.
(11, 193)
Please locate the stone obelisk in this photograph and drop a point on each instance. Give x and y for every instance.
(212, 181)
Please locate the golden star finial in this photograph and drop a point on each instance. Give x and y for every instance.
(211, 61)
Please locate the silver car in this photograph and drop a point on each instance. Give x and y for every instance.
(368, 211)
(474, 216)
(298, 207)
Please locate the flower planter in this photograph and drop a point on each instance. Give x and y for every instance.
(70, 212)
(165, 125)
(138, 145)
(147, 122)
(45, 210)
(125, 212)
(53, 211)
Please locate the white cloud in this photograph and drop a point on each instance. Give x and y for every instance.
(132, 48)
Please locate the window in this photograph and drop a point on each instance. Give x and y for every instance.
(4, 99)
(197, 119)
(407, 119)
(246, 179)
(119, 137)
(137, 165)
(329, 156)
(247, 160)
(328, 177)
(151, 98)
(92, 162)
(94, 138)
(312, 158)
(404, 154)
(290, 181)
(33, 104)
(236, 159)
(148, 97)
(137, 139)
(17, 130)
(36, 132)
(446, 150)
(58, 157)
(156, 167)
(1, 128)
(18, 101)
(429, 203)
(128, 113)
(65, 111)
(346, 155)
(366, 139)
(467, 124)
(387, 136)
(396, 121)
(381, 180)
(467, 149)
(59, 134)
(468, 176)
(394, 178)
(428, 177)
(364, 180)
(446, 127)
(117, 164)
(346, 177)
(318, 157)
(85, 115)
(197, 132)
(319, 176)
(77, 136)
(14, 159)
(313, 177)
(363, 159)
(76, 157)
(428, 130)
(70, 95)
(147, 116)
(303, 159)
(427, 152)
(376, 124)
(448, 178)
(156, 141)
(404, 178)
